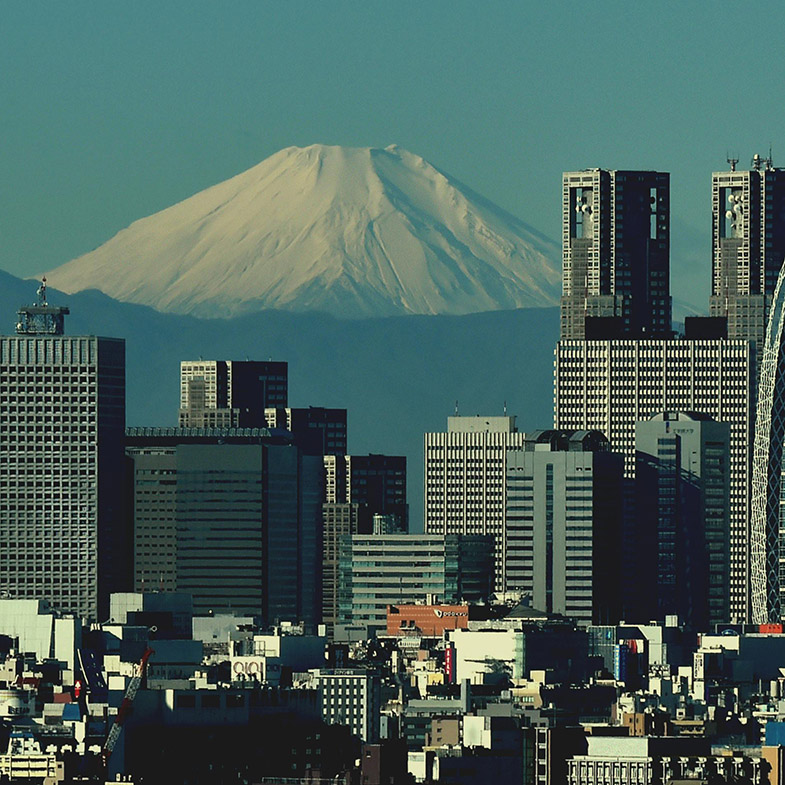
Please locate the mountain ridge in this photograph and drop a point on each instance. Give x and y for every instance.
(356, 232)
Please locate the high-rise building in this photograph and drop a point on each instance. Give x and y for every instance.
(63, 526)
(380, 570)
(230, 393)
(748, 245)
(465, 480)
(317, 431)
(377, 483)
(609, 386)
(231, 516)
(616, 245)
(562, 538)
(682, 518)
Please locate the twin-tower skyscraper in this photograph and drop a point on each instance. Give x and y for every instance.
(619, 362)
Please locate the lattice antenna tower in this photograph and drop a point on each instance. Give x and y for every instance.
(40, 318)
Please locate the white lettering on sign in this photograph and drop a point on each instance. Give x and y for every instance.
(440, 614)
(249, 667)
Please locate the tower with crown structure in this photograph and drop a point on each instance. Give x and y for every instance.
(63, 532)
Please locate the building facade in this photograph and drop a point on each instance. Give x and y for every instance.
(377, 571)
(748, 245)
(231, 516)
(230, 393)
(682, 517)
(376, 483)
(767, 528)
(351, 698)
(608, 386)
(465, 480)
(338, 521)
(616, 254)
(562, 539)
(63, 526)
(316, 430)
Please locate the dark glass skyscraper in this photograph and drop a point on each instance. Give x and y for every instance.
(230, 393)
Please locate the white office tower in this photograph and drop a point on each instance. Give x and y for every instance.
(62, 420)
(609, 385)
(465, 480)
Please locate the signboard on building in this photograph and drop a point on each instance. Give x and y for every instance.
(430, 621)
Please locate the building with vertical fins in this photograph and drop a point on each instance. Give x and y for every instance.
(616, 246)
(563, 527)
(64, 535)
(748, 245)
(682, 519)
(231, 516)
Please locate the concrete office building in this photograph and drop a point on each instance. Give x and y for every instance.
(748, 245)
(317, 431)
(231, 516)
(616, 241)
(351, 698)
(230, 393)
(562, 539)
(608, 386)
(376, 571)
(682, 518)
(63, 526)
(465, 480)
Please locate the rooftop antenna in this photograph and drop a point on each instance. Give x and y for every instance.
(732, 160)
(505, 408)
(456, 408)
(769, 160)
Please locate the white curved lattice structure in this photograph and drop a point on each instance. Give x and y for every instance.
(767, 468)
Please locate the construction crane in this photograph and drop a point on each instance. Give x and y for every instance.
(125, 706)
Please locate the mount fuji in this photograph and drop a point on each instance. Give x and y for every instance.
(352, 232)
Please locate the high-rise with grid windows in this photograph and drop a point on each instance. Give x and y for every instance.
(63, 526)
(465, 481)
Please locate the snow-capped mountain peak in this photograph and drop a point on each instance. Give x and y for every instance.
(351, 231)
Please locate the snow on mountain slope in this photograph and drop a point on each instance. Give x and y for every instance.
(349, 231)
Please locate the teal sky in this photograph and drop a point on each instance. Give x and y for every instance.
(112, 111)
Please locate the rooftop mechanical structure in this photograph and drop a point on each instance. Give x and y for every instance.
(40, 318)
